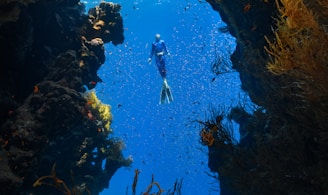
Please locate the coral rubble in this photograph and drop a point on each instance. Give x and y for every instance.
(50, 52)
(281, 56)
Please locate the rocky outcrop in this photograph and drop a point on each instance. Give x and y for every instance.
(52, 140)
(283, 146)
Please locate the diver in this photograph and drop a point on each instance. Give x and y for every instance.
(160, 52)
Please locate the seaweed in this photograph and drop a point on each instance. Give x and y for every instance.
(221, 64)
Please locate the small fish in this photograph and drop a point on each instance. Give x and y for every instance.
(223, 29)
(187, 7)
(59, 20)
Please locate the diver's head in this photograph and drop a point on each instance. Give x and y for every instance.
(157, 37)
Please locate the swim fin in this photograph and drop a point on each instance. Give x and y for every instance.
(169, 94)
(166, 94)
(163, 96)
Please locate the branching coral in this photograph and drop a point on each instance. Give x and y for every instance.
(59, 184)
(300, 43)
(220, 64)
(176, 189)
(135, 181)
(56, 182)
(214, 132)
(160, 190)
(207, 137)
(299, 50)
(100, 108)
(150, 187)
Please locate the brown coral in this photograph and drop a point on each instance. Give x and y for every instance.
(298, 33)
(98, 25)
(53, 181)
(207, 137)
(299, 52)
(105, 23)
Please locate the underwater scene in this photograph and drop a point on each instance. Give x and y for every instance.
(163, 97)
(163, 138)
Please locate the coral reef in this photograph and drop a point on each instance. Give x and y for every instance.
(214, 132)
(99, 110)
(106, 22)
(282, 60)
(49, 54)
(298, 51)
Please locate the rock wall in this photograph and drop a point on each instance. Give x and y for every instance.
(283, 146)
(52, 139)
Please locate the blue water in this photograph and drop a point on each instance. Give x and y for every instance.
(162, 139)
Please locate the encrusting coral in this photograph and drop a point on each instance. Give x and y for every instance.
(99, 108)
(106, 22)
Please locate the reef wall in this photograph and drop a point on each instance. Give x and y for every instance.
(281, 56)
(53, 136)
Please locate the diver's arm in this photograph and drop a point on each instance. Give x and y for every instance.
(151, 53)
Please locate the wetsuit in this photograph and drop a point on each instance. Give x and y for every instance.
(159, 51)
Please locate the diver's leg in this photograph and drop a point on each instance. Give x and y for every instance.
(159, 65)
(166, 94)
